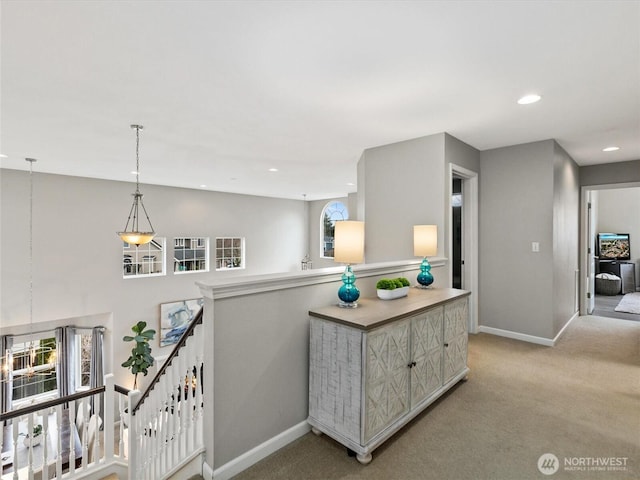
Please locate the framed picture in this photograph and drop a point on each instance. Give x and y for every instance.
(175, 317)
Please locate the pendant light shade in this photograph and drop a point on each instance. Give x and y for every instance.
(135, 235)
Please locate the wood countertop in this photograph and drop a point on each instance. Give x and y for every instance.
(373, 312)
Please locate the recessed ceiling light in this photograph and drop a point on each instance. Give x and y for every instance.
(610, 149)
(2, 155)
(527, 99)
(203, 186)
(273, 169)
(133, 172)
(351, 184)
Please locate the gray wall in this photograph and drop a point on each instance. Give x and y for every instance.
(516, 209)
(610, 173)
(401, 185)
(77, 257)
(461, 154)
(566, 215)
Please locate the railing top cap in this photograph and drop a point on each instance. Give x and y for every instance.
(250, 284)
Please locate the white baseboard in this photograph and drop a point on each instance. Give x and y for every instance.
(207, 471)
(561, 332)
(244, 461)
(547, 342)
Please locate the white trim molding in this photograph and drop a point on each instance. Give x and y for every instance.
(470, 237)
(253, 456)
(252, 284)
(547, 342)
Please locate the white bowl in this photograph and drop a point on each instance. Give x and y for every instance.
(391, 294)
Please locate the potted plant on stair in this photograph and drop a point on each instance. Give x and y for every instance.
(390, 288)
(140, 359)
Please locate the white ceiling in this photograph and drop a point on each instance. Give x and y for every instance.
(227, 90)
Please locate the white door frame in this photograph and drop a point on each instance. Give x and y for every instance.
(587, 278)
(469, 236)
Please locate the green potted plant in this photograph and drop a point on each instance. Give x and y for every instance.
(390, 288)
(140, 359)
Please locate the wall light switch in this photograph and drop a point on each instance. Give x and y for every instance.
(535, 246)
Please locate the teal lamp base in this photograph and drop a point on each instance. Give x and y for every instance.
(348, 292)
(425, 279)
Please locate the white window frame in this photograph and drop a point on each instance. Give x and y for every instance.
(139, 263)
(224, 257)
(40, 397)
(191, 243)
(334, 215)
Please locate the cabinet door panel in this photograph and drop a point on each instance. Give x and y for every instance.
(455, 356)
(426, 348)
(387, 377)
(455, 338)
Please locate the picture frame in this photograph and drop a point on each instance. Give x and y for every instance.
(175, 318)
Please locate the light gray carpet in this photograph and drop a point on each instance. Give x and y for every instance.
(578, 400)
(630, 303)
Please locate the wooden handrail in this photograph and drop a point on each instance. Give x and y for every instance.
(49, 403)
(174, 353)
(122, 390)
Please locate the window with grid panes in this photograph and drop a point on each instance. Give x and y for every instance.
(229, 253)
(144, 261)
(332, 212)
(34, 369)
(190, 254)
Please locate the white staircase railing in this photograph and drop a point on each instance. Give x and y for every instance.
(165, 424)
(159, 431)
(67, 441)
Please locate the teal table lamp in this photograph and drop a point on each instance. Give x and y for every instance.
(349, 249)
(425, 244)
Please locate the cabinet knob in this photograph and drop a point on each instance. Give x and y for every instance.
(411, 365)
(446, 344)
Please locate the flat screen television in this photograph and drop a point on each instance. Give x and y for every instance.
(614, 246)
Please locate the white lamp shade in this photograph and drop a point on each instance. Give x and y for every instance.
(425, 240)
(348, 242)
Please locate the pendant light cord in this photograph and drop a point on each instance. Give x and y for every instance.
(30, 160)
(137, 127)
(31, 244)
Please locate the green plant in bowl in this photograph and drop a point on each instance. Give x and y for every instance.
(392, 283)
(386, 284)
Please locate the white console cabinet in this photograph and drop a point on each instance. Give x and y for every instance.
(374, 368)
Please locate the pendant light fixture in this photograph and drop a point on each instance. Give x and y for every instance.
(134, 235)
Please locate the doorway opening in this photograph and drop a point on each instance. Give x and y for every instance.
(463, 236)
(598, 218)
(456, 233)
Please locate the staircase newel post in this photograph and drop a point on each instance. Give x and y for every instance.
(134, 435)
(109, 405)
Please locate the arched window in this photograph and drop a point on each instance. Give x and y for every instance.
(331, 213)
